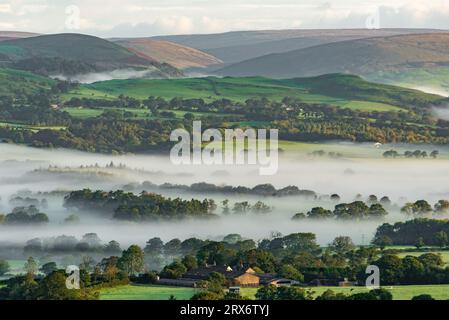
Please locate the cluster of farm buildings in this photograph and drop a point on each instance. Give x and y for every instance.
(242, 277)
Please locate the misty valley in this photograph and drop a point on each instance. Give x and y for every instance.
(264, 165)
(75, 208)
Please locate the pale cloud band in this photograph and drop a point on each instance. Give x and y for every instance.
(156, 17)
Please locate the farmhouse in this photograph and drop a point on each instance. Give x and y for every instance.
(237, 276)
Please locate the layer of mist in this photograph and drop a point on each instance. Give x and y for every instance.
(24, 168)
(119, 74)
(442, 113)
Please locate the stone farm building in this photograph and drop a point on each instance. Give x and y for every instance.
(236, 276)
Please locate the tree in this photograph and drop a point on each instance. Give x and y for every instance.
(190, 262)
(225, 204)
(434, 154)
(112, 247)
(48, 268)
(342, 245)
(372, 199)
(391, 269)
(299, 216)
(191, 246)
(335, 197)
(266, 293)
(376, 294)
(281, 293)
(319, 213)
(354, 210)
(442, 206)
(413, 270)
(419, 243)
(175, 270)
(72, 219)
(92, 240)
(290, 272)
(87, 263)
(423, 297)
(391, 154)
(173, 247)
(300, 242)
(31, 266)
(331, 295)
(431, 260)
(241, 207)
(232, 238)
(154, 246)
(376, 210)
(420, 207)
(4, 267)
(385, 201)
(441, 238)
(53, 287)
(132, 260)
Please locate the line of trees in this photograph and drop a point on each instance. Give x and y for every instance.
(411, 154)
(417, 232)
(143, 207)
(24, 216)
(357, 210)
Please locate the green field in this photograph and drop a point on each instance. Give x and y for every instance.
(131, 292)
(13, 82)
(140, 292)
(29, 127)
(84, 113)
(428, 79)
(356, 93)
(440, 292)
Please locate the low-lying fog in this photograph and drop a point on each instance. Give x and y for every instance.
(118, 74)
(401, 180)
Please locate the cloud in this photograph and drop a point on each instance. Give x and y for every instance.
(168, 25)
(5, 8)
(157, 17)
(31, 9)
(416, 14)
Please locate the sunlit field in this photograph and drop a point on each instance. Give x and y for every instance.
(438, 292)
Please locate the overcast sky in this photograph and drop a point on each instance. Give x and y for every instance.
(157, 17)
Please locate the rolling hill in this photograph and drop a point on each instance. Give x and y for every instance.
(367, 57)
(74, 53)
(336, 89)
(15, 82)
(233, 47)
(10, 35)
(177, 55)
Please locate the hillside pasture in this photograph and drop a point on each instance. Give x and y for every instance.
(235, 89)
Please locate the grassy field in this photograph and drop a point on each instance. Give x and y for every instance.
(13, 82)
(130, 292)
(440, 292)
(435, 80)
(236, 89)
(29, 127)
(135, 292)
(84, 113)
